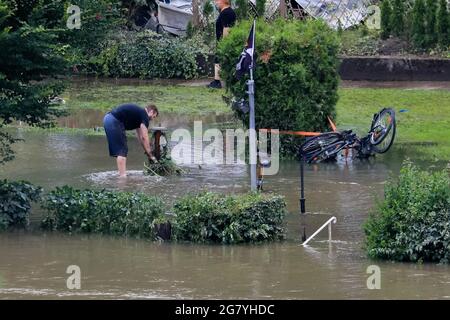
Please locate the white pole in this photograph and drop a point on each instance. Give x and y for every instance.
(252, 133)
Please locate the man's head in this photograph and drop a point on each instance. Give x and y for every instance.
(221, 4)
(152, 111)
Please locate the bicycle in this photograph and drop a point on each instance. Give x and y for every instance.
(328, 145)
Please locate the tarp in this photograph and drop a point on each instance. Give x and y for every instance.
(345, 13)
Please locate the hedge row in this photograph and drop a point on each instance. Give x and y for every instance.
(413, 221)
(148, 55)
(205, 217)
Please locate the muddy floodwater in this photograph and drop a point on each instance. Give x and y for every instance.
(33, 265)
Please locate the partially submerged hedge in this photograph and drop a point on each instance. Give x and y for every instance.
(105, 212)
(15, 203)
(413, 222)
(212, 217)
(204, 217)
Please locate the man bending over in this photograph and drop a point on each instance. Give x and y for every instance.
(128, 117)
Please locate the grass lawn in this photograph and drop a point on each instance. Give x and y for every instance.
(426, 122)
(424, 126)
(172, 98)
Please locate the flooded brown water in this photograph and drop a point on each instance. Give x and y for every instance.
(33, 265)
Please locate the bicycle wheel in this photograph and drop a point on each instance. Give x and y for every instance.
(316, 144)
(327, 153)
(383, 131)
(382, 124)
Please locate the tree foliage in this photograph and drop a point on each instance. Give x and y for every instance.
(398, 17)
(386, 16)
(29, 63)
(419, 23)
(443, 23)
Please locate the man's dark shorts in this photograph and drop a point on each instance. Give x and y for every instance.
(117, 139)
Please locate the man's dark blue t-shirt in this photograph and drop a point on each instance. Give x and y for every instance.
(131, 115)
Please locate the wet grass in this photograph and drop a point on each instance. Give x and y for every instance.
(173, 98)
(425, 124)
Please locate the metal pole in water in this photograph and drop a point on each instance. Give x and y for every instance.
(302, 186)
(252, 135)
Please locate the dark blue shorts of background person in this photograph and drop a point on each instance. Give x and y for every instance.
(117, 139)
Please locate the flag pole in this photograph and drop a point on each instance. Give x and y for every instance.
(252, 134)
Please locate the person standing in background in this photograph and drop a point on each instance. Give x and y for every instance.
(224, 22)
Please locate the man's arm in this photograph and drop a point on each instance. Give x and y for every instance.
(142, 134)
(226, 31)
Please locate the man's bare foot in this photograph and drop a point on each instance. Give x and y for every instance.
(122, 176)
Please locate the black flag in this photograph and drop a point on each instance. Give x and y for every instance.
(246, 59)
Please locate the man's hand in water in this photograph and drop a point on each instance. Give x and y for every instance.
(152, 158)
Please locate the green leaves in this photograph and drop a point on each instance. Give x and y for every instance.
(105, 212)
(149, 55)
(15, 203)
(296, 76)
(212, 217)
(413, 222)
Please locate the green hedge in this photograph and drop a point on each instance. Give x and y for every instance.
(212, 217)
(149, 55)
(413, 221)
(296, 76)
(204, 217)
(15, 203)
(105, 212)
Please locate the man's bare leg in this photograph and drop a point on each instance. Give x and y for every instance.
(122, 166)
(217, 71)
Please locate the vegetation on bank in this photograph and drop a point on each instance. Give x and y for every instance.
(425, 24)
(418, 27)
(412, 223)
(204, 217)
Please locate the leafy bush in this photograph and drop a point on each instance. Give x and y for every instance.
(15, 203)
(149, 55)
(296, 76)
(413, 222)
(443, 23)
(425, 22)
(211, 217)
(398, 17)
(419, 23)
(386, 16)
(106, 212)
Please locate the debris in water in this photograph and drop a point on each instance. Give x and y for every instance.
(164, 167)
